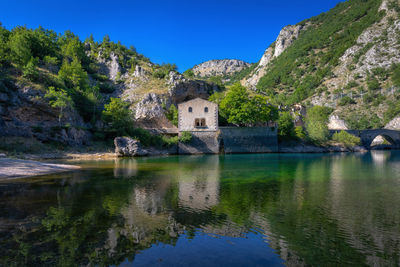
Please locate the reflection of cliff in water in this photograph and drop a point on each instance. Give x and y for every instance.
(332, 209)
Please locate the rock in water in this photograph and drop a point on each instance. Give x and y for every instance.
(128, 147)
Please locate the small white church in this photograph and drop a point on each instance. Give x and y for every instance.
(198, 115)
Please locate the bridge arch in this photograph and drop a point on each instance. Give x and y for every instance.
(368, 136)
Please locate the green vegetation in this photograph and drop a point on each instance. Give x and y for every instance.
(346, 100)
(59, 99)
(298, 72)
(172, 115)
(185, 137)
(118, 116)
(162, 71)
(317, 124)
(239, 108)
(285, 126)
(346, 139)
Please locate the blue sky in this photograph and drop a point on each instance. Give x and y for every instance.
(181, 32)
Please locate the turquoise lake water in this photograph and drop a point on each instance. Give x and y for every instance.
(230, 210)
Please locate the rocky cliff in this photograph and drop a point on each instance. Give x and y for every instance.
(285, 38)
(224, 67)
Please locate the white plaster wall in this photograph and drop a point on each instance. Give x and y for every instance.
(187, 119)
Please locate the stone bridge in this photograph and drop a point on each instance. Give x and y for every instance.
(367, 136)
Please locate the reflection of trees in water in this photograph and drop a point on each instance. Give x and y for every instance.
(313, 210)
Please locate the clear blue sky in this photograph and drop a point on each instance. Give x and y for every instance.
(182, 32)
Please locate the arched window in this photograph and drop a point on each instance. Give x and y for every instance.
(206, 109)
(190, 109)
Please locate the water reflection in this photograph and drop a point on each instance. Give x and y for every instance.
(247, 209)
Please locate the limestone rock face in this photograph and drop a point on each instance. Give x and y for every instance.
(128, 147)
(219, 67)
(335, 123)
(182, 89)
(149, 112)
(394, 124)
(285, 39)
(109, 67)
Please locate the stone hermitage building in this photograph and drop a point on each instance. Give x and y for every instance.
(198, 115)
(200, 118)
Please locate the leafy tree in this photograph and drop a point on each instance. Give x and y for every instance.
(94, 97)
(19, 44)
(285, 126)
(4, 49)
(30, 71)
(118, 116)
(59, 99)
(172, 115)
(317, 123)
(299, 133)
(239, 108)
(74, 75)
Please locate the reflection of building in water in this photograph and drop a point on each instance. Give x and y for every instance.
(125, 168)
(199, 185)
(145, 216)
(380, 157)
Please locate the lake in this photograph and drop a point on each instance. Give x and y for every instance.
(228, 210)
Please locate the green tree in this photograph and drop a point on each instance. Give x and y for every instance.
(19, 44)
(30, 71)
(4, 49)
(172, 115)
(285, 126)
(118, 116)
(239, 108)
(317, 123)
(58, 98)
(74, 75)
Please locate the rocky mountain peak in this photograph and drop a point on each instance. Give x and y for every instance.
(219, 67)
(285, 39)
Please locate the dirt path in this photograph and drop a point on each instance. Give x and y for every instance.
(16, 168)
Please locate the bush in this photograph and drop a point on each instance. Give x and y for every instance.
(346, 139)
(299, 133)
(185, 137)
(346, 100)
(162, 71)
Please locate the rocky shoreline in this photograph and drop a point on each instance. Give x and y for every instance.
(16, 168)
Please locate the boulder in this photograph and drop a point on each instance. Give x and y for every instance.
(129, 147)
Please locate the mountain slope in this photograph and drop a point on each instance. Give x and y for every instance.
(341, 58)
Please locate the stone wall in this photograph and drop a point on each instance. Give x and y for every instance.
(201, 143)
(249, 140)
(232, 140)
